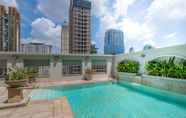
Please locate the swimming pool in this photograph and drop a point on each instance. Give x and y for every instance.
(117, 100)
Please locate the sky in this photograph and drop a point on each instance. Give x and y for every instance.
(160, 23)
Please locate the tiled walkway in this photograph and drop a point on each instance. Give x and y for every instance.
(40, 109)
(32, 110)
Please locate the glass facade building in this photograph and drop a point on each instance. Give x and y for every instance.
(114, 42)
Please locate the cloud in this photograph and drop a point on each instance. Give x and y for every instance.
(160, 18)
(121, 7)
(135, 30)
(45, 31)
(8, 2)
(166, 14)
(170, 36)
(55, 10)
(118, 18)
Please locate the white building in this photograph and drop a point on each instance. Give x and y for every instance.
(36, 48)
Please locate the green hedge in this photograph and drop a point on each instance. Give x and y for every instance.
(167, 68)
(128, 66)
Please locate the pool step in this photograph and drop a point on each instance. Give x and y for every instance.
(62, 108)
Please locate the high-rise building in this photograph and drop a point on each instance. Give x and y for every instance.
(65, 39)
(114, 42)
(9, 29)
(80, 21)
(36, 48)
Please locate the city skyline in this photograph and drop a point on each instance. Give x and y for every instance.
(158, 23)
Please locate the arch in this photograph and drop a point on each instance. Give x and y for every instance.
(159, 56)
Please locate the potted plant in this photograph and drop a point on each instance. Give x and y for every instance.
(31, 74)
(128, 69)
(88, 74)
(164, 68)
(16, 79)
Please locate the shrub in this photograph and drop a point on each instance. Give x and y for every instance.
(128, 66)
(31, 72)
(167, 68)
(16, 74)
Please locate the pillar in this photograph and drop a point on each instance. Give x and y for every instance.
(83, 67)
(55, 69)
(19, 63)
(86, 64)
(109, 67)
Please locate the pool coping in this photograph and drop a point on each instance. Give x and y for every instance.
(62, 108)
(74, 84)
(24, 102)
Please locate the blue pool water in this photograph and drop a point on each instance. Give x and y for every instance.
(121, 100)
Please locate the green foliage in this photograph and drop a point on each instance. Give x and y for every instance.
(31, 72)
(167, 68)
(128, 66)
(16, 74)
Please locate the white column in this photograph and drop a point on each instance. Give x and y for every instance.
(61, 69)
(109, 68)
(83, 67)
(142, 65)
(19, 63)
(86, 64)
(55, 70)
(89, 64)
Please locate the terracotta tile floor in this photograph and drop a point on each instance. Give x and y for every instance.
(42, 109)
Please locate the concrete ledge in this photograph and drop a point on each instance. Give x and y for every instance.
(170, 84)
(24, 102)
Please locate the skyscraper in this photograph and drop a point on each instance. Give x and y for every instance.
(65, 39)
(114, 42)
(79, 33)
(9, 29)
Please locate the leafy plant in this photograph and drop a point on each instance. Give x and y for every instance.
(16, 74)
(31, 72)
(128, 66)
(167, 68)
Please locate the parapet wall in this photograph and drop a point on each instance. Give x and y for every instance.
(169, 84)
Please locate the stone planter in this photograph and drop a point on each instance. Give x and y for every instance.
(170, 84)
(15, 93)
(127, 76)
(88, 77)
(88, 74)
(16, 83)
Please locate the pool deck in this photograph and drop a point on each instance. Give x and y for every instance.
(57, 108)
